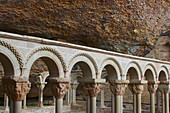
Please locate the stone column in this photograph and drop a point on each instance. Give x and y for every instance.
(137, 87)
(68, 97)
(74, 87)
(158, 101)
(24, 104)
(40, 87)
(92, 90)
(59, 87)
(113, 104)
(102, 99)
(16, 87)
(164, 87)
(5, 102)
(152, 88)
(118, 88)
(87, 104)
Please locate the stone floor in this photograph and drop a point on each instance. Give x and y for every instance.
(50, 109)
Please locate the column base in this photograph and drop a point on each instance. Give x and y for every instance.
(24, 107)
(6, 109)
(103, 106)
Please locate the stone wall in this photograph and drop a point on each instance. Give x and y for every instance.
(161, 50)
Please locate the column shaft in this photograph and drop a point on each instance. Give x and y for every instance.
(102, 98)
(11, 106)
(59, 105)
(138, 103)
(166, 102)
(87, 104)
(5, 102)
(163, 103)
(113, 104)
(92, 104)
(73, 96)
(134, 103)
(40, 100)
(24, 105)
(118, 104)
(68, 97)
(17, 106)
(152, 103)
(158, 100)
(121, 106)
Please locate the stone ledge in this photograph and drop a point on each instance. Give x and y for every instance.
(140, 82)
(92, 80)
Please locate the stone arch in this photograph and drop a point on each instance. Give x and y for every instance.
(9, 61)
(112, 66)
(87, 64)
(150, 72)
(134, 70)
(15, 52)
(43, 76)
(52, 50)
(163, 73)
(73, 78)
(50, 57)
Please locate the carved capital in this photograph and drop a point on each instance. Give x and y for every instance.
(16, 87)
(164, 86)
(152, 88)
(118, 89)
(136, 88)
(59, 87)
(92, 89)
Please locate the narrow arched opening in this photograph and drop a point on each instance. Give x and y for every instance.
(149, 76)
(79, 70)
(104, 98)
(6, 69)
(41, 70)
(131, 75)
(162, 76)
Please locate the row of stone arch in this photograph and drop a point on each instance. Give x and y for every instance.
(55, 61)
(17, 70)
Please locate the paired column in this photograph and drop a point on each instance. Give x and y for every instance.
(152, 88)
(137, 87)
(16, 87)
(59, 87)
(91, 88)
(118, 88)
(164, 87)
(74, 87)
(40, 87)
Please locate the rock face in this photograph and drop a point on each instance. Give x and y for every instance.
(126, 26)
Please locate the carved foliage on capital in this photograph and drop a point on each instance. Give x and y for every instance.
(136, 88)
(59, 89)
(118, 89)
(16, 89)
(152, 88)
(92, 89)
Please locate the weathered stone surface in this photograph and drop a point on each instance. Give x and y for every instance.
(131, 26)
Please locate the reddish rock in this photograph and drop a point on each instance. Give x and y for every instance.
(126, 26)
